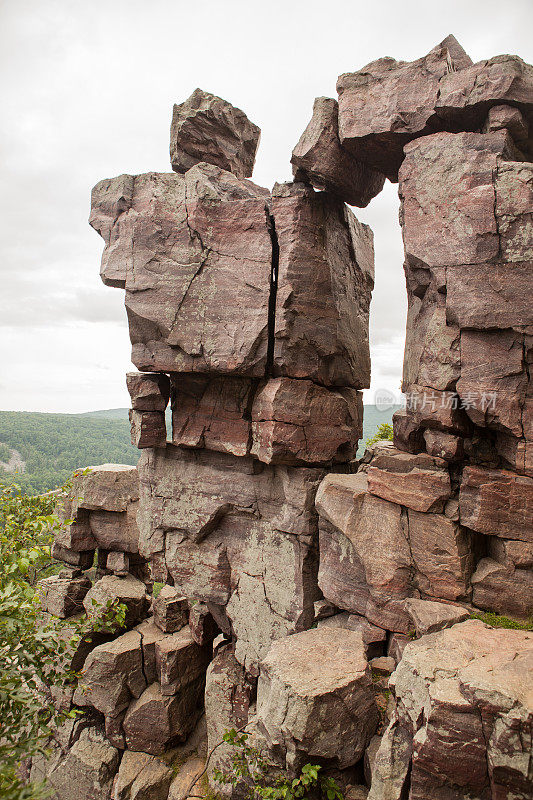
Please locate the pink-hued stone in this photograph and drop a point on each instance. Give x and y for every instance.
(497, 502)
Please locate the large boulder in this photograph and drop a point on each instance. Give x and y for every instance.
(387, 103)
(464, 710)
(142, 777)
(374, 554)
(149, 391)
(315, 698)
(497, 502)
(320, 159)
(155, 722)
(197, 300)
(207, 128)
(63, 596)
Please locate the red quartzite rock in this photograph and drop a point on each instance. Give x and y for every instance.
(179, 661)
(387, 103)
(502, 589)
(467, 96)
(319, 159)
(148, 429)
(365, 559)
(228, 694)
(238, 535)
(197, 300)
(508, 117)
(155, 722)
(295, 422)
(462, 726)
(212, 412)
(207, 128)
(429, 616)
(129, 591)
(171, 610)
(116, 530)
(497, 502)
(447, 192)
(149, 391)
(63, 597)
(315, 698)
(420, 482)
(325, 280)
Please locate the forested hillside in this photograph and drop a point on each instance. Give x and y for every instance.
(52, 446)
(49, 447)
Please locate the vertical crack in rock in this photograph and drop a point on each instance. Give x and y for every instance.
(271, 225)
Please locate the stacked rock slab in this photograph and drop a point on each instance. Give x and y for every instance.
(250, 311)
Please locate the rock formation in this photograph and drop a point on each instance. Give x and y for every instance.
(287, 564)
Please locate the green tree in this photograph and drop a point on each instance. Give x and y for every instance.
(34, 651)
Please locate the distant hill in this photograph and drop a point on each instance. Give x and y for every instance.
(40, 451)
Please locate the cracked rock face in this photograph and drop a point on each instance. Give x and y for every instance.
(236, 534)
(315, 698)
(207, 128)
(389, 102)
(462, 726)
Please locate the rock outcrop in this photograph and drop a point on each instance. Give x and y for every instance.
(287, 565)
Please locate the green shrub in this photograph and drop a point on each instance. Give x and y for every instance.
(383, 434)
(251, 772)
(497, 621)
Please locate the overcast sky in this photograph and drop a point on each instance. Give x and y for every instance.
(87, 93)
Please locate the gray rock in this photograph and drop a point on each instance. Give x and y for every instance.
(207, 128)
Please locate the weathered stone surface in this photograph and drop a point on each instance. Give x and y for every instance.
(323, 610)
(315, 698)
(396, 645)
(389, 102)
(444, 445)
(112, 675)
(85, 771)
(180, 662)
(437, 411)
(108, 487)
(149, 391)
(463, 722)
(116, 531)
(443, 553)
(502, 589)
(171, 610)
(429, 616)
(383, 665)
(432, 346)
(514, 211)
(203, 627)
(148, 428)
(237, 536)
(155, 723)
(494, 380)
(118, 563)
(487, 296)
(82, 559)
(197, 300)
(511, 552)
(228, 695)
(325, 278)
(360, 570)
(212, 412)
(296, 422)
(191, 770)
(207, 128)
(447, 191)
(142, 777)
(407, 435)
(420, 482)
(320, 159)
(63, 597)
(129, 591)
(507, 117)
(497, 502)
(374, 638)
(467, 96)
